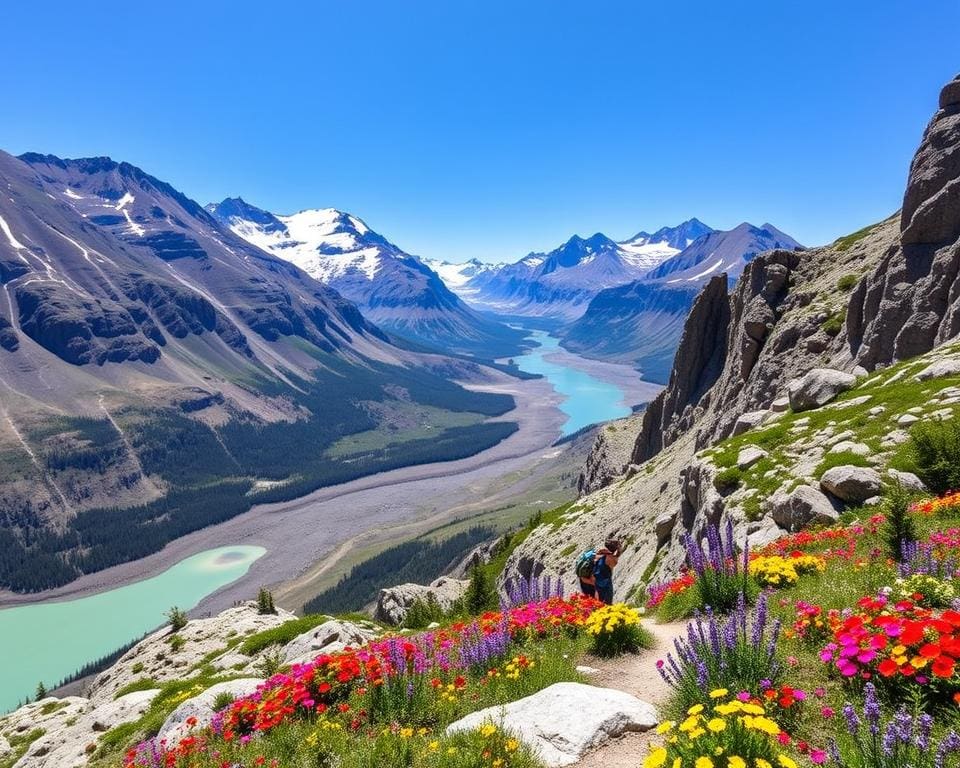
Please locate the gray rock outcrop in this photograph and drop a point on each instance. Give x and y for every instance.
(911, 300)
(854, 485)
(818, 387)
(71, 744)
(750, 455)
(699, 361)
(609, 455)
(333, 635)
(563, 722)
(394, 603)
(939, 369)
(800, 507)
(908, 480)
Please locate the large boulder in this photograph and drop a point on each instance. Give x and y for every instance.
(333, 635)
(563, 722)
(200, 709)
(394, 603)
(801, 507)
(818, 387)
(853, 485)
(908, 480)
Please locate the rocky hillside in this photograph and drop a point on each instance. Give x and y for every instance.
(789, 398)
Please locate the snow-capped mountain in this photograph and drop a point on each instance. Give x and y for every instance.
(679, 237)
(721, 252)
(395, 290)
(562, 282)
(640, 322)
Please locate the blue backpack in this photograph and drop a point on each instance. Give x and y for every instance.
(584, 567)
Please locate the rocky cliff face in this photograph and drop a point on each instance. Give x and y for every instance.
(911, 301)
(884, 294)
(609, 454)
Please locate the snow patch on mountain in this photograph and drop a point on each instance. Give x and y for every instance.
(324, 242)
(457, 275)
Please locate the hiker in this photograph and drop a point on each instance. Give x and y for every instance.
(595, 570)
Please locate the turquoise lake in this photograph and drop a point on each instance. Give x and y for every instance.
(587, 400)
(52, 640)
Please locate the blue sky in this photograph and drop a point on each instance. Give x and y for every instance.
(490, 129)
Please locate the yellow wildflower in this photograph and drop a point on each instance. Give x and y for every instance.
(717, 724)
(656, 758)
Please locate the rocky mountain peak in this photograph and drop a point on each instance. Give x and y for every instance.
(238, 208)
(909, 303)
(931, 204)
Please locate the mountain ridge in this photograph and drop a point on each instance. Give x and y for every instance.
(561, 282)
(397, 291)
(639, 323)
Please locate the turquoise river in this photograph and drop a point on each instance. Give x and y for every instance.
(50, 641)
(587, 400)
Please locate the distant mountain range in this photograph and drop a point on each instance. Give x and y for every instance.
(397, 291)
(640, 322)
(560, 284)
(622, 301)
(159, 373)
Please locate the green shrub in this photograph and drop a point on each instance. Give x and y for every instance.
(847, 282)
(177, 619)
(422, 613)
(176, 642)
(222, 700)
(834, 324)
(270, 663)
(678, 605)
(728, 479)
(900, 526)
(935, 446)
(265, 604)
(481, 595)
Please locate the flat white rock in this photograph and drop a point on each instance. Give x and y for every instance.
(201, 707)
(563, 722)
